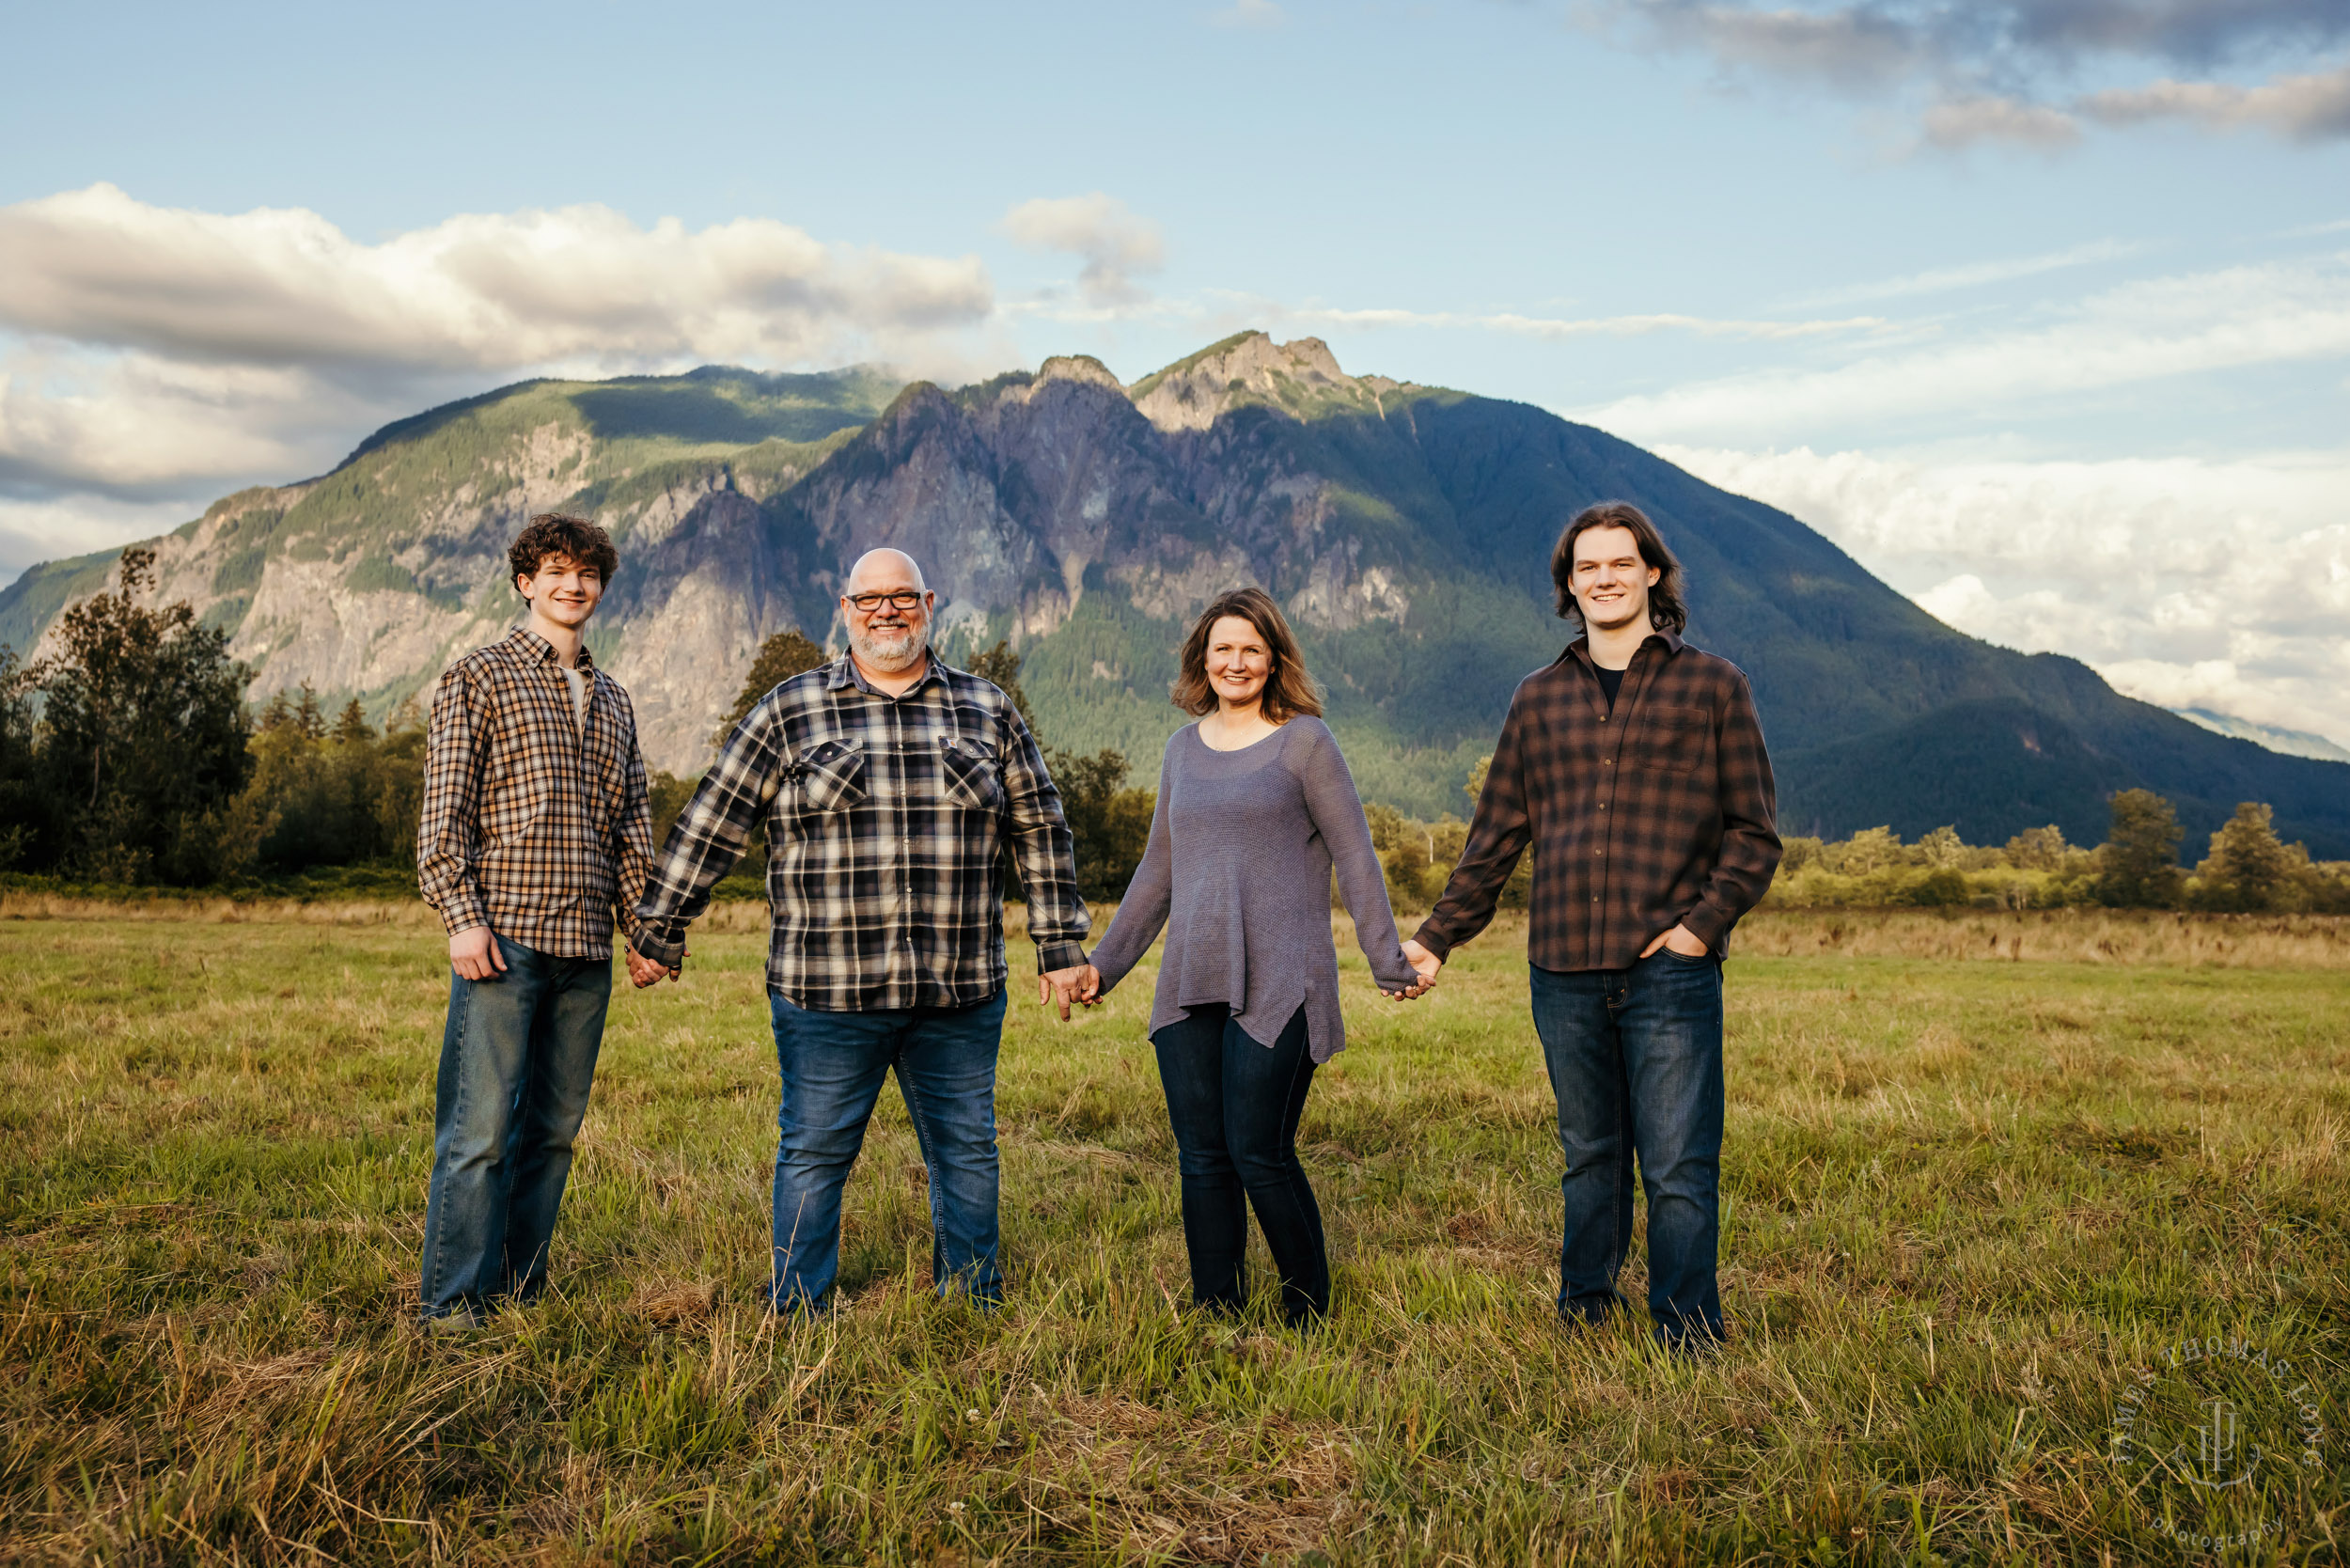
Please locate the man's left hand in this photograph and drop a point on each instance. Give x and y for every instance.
(1680, 939)
(1080, 984)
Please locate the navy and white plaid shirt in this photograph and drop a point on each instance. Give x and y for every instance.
(884, 818)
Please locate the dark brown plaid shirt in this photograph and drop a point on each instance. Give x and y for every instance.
(1657, 813)
(533, 825)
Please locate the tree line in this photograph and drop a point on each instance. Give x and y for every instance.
(129, 755)
(2244, 870)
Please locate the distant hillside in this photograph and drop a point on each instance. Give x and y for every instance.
(1407, 527)
(2293, 742)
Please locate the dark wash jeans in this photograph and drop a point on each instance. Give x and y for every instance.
(832, 1065)
(517, 1057)
(1234, 1105)
(1636, 1061)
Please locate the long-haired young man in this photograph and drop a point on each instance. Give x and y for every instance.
(1633, 767)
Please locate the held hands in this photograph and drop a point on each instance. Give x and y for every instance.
(1081, 985)
(643, 971)
(1680, 939)
(1425, 964)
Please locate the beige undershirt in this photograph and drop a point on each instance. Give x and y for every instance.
(580, 689)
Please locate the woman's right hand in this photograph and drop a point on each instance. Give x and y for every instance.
(1425, 964)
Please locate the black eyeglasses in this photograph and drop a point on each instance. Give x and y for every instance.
(903, 599)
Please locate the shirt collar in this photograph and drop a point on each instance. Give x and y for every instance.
(1580, 649)
(536, 649)
(845, 674)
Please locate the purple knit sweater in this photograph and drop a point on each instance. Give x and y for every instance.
(1238, 872)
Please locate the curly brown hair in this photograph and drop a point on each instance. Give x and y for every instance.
(1288, 690)
(1666, 610)
(555, 533)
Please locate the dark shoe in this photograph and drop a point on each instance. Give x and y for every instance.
(1690, 1344)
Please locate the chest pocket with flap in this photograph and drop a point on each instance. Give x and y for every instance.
(831, 777)
(970, 774)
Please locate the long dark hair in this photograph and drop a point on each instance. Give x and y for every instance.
(1288, 689)
(1665, 607)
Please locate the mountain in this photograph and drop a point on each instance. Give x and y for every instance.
(2293, 742)
(1407, 529)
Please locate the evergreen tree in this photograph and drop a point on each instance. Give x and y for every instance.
(24, 812)
(1001, 667)
(780, 658)
(143, 727)
(2140, 863)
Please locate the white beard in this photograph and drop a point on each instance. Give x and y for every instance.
(891, 653)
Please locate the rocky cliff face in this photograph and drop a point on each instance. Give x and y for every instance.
(1012, 493)
(1406, 529)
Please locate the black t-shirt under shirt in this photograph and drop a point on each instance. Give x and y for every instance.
(1610, 681)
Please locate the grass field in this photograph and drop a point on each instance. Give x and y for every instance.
(1980, 1175)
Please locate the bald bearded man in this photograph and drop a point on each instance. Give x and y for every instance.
(888, 781)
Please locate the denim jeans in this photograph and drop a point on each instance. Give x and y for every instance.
(1636, 1061)
(832, 1065)
(517, 1057)
(1234, 1105)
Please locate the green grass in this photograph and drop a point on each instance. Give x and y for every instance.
(1967, 1201)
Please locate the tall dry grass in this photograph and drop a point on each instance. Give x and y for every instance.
(2105, 936)
(1965, 1203)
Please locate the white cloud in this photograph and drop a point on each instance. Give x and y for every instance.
(1113, 242)
(1554, 328)
(34, 531)
(1956, 122)
(1977, 275)
(2305, 107)
(138, 424)
(155, 356)
(2139, 331)
(479, 292)
(2186, 582)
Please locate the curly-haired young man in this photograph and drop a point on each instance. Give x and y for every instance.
(536, 834)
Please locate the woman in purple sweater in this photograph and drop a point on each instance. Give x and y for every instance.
(1256, 810)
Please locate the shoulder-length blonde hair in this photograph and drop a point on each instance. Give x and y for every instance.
(1288, 690)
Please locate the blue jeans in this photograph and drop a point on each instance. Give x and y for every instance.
(517, 1057)
(1636, 1061)
(1234, 1105)
(832, 1065)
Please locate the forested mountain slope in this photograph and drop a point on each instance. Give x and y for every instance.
(1407, 529)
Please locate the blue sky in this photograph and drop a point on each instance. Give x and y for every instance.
(2041, 307)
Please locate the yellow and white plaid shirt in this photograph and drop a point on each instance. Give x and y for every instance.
(535, 824)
